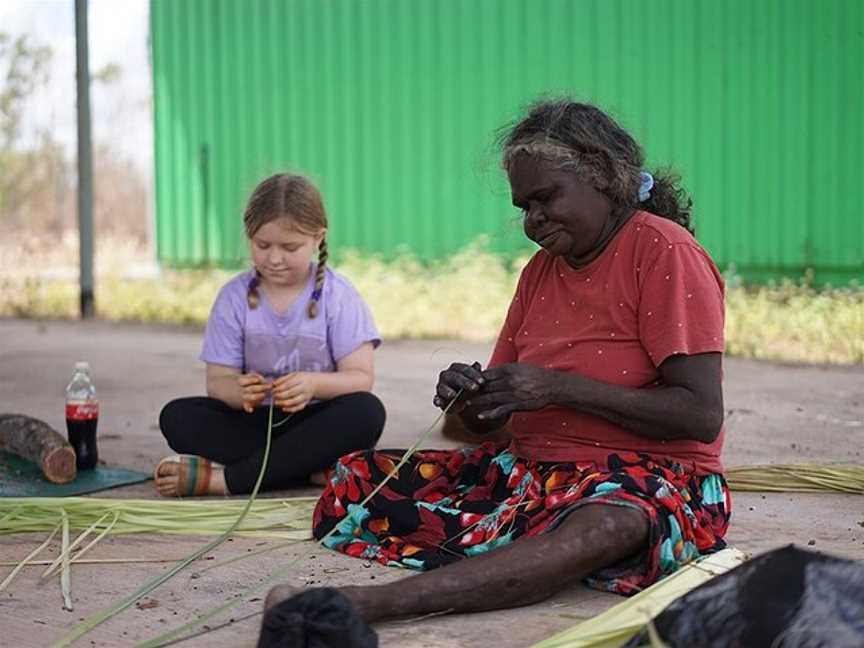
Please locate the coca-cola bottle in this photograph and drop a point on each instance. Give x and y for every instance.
(82, 416)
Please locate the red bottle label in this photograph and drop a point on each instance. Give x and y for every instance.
(82, 411)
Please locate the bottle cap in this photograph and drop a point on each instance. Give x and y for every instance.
(82, 366)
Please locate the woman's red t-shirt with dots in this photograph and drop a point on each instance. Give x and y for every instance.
(652, 293)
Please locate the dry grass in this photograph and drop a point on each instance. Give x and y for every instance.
(465, 296)
(794, 322)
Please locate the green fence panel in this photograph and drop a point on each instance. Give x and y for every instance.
(391, 106)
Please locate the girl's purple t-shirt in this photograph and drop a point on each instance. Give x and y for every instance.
(263, 341)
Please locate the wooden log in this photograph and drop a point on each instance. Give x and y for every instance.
(38, 442)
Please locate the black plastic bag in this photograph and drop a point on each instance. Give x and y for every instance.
(316, 618)
(787, 598)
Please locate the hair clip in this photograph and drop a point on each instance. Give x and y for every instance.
(646, 184)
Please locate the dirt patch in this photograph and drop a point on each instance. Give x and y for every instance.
(775, 413)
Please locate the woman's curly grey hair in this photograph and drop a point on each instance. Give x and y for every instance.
(583, 138)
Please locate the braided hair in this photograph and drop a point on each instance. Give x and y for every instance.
(319, 279)
(583, 138)
(252, 296)
(294, 197)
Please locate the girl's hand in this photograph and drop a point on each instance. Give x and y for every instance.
(254, 388)
(292, 392)
(458, 376)
(511, 388)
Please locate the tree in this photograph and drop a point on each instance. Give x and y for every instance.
(24, 67)
(37, 174)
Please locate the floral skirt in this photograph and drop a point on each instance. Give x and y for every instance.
(443, 506)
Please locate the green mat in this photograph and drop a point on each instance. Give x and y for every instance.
(22, 478)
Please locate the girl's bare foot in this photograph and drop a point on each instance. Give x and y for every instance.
(188, 476)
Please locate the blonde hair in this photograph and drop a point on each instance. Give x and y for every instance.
(295, 198)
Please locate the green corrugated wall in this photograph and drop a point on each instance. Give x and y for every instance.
(392, 105)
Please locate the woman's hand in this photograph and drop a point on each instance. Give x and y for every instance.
(467, 378)
(254, 388)
(512, 388)
(292, 392)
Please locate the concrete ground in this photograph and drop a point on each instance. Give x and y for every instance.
(775, 413)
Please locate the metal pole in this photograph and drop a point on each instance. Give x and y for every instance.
(85, 161)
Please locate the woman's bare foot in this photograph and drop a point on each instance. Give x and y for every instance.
(318, 478)
(279, 593)
(188, 476)
(365, 600)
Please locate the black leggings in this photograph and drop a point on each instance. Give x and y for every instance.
(309, 441)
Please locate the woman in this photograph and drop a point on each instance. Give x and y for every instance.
(607, 378)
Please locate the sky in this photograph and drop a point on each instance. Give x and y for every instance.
(121, 111)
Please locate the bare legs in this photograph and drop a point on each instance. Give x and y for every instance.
(524, 572)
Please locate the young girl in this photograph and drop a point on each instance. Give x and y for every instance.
(291, 331)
